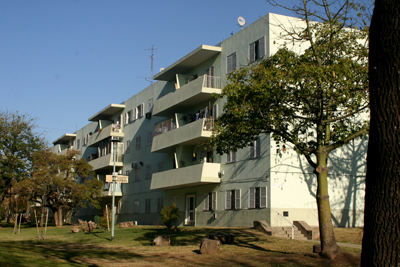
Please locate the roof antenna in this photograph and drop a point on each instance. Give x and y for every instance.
(151, 79)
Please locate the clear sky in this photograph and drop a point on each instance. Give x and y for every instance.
(63, 61)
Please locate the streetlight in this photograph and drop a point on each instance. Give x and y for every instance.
(114, 141)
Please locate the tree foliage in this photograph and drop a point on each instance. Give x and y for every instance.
(314, 100)
(61, 182)
(18, 142)
(170, 215)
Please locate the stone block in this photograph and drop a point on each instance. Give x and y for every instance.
(209, 246)
(162, 240)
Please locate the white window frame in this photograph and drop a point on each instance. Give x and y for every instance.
(262, 197)
(210, 198)
(255, 148)
(231, 63)
(257, 49)
(229, 201)
(139, 111)
(231, 157)
(138, 142)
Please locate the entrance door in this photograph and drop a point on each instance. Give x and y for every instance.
(190, 209)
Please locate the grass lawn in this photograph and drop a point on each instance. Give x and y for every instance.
(132, 247)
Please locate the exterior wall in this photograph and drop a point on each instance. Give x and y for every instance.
(287, 177)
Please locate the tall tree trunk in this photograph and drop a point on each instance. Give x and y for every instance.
(329, 248)
(381, 241)
(58, 217)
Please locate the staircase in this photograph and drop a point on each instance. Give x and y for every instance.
(304, 233)
(286, 232)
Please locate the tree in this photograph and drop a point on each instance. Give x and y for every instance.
(18, 142)
(314, 101)
(61, 182)
(381, 241)
(170, 215)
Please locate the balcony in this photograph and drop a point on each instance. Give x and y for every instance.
(107, 190)
(106, 162)
(165, 139)
(110, 130)
(187, 96)
(195, 175)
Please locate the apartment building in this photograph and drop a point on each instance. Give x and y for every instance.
(164, 131)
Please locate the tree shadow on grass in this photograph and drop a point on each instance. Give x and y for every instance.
(50, 252)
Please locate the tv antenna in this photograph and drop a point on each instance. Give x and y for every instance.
(151, 79)
(241, 22)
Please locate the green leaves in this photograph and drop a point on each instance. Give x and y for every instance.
(313, 99)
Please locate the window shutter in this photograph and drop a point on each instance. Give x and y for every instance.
(263, 197)
(228, 200)
(252, 154)
(228, 157)
(206, 202)
(237, 199)
(233, 156)
(261, 47)
(252, 201)
(258, 147)
(252, 53)
(214, 200)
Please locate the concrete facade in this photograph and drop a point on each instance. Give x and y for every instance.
(164, 131)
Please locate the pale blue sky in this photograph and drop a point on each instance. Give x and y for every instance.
(63, 61)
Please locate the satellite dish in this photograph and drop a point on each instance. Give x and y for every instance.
(241, 21)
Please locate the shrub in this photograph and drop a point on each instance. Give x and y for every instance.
(170, 215)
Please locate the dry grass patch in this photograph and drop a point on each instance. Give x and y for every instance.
(132, 247)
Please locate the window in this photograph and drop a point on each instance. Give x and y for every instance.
(214, 111)
(231, 63)
(147, 206)
(232, 199)
(255, 148)
(128, 146)
(131, 115)
(210, 201)
(149, 138)
(257, 49)
(148, 172)
(77, 143)
(127, 172)
(257, 197)
(127, 117)
(210, 77)
(136, 207)
(137, 175)
(139, 111)
(160, 204)
(138, 143)
(149, 105)
(231, 157)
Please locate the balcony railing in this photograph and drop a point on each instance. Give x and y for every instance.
(169, 125)
(200, 90)
(212, 82)
(164, 126)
